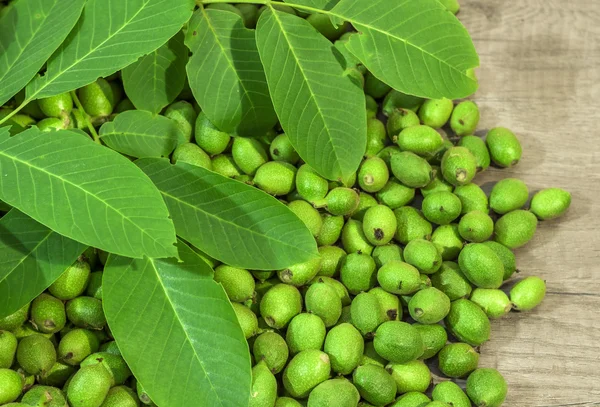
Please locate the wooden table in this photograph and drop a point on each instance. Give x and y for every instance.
(540, 77)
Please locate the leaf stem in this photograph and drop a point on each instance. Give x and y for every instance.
(14, 112)
(86, 117)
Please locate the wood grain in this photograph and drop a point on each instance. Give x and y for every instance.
(540, 77)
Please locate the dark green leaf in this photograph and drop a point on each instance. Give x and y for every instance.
(320, 109)
(417, 47)
(31, 258)
(226, 75)
(110, 35)
(155, 80)
(30, 31)
(141, 134)
(86, 192)
(177, 331)
(229, 220)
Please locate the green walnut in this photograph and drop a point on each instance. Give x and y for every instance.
(190, 153)
(448, 241)
(271, 348)
(451, 394)
(505, 148)
(468, 322)
(458, 359)
(410, 376)
(367, 314)
(424, 255)
(308, 215)
(395, 194)
(399, 120)
(305, 331)
(275, 177)
(508, 195)
(379, 225)
(486, 387)
(344, 345)
(339, 201)
(479, 150)
(421, 140)
(458, 166)
(373, 174)
(436, 112)
(441, 207)
(411, 225)
(374, 384)
(493, 302)
(429, 306)
(476, 226)
(465, 116)
(528, 293)
(335, 392)
(472, 198)
(410, 169)
(550, 203)
(281, 149)
(305, 371)
(481, 266)
(398, 342)
(280, 304)
(516, 228)
(209, 137)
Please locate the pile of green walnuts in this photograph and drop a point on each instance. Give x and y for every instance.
(58, 351)
(414, 257)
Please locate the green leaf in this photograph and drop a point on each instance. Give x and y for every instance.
(86, 192)
(320, 109)
(226, 75)
(110, 35)
(30, 31)
(177, 331)
(4, 133)
(416, 47)
(139, 134)
(31, 258)
(155, 80)
(229, 220)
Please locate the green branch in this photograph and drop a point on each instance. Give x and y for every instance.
(86, 117)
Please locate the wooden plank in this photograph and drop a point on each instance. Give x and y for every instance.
(540, 77)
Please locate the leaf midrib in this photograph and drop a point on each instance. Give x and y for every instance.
(49, 81)
(208, 214)
(226, 56)
(312, 93)
(34, 35)
(2, 153)
(25, 256)
(370, 27)
(158, 277)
